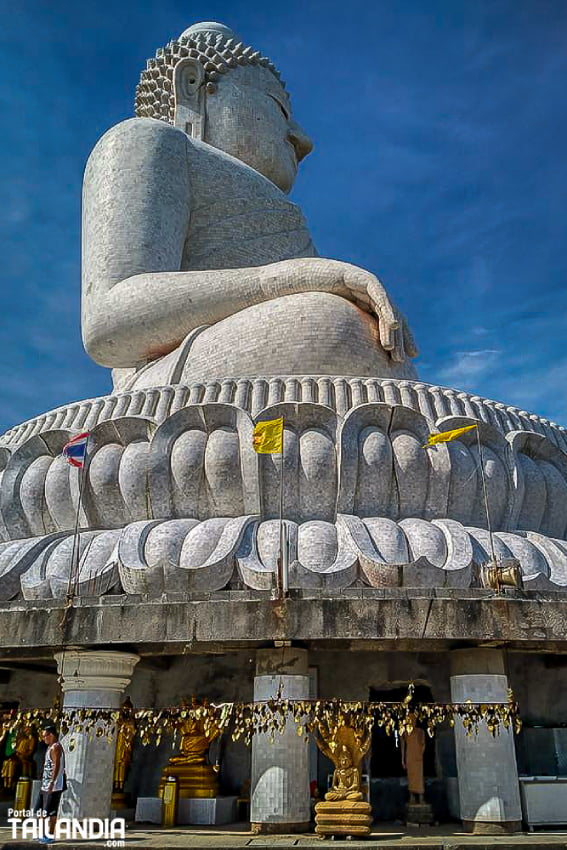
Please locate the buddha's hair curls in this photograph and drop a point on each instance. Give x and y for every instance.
(216, 53)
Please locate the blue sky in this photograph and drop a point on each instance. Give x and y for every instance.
(440, 165)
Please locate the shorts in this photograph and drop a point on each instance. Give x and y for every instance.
(50, 802)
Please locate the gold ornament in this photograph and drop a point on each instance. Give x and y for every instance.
(244, 720)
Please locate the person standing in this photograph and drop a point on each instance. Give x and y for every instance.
(52, 782)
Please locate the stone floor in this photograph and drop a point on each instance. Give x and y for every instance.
(384, 837)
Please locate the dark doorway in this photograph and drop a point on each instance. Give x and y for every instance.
(386, 761)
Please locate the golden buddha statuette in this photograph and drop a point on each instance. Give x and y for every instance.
(344, 810)
(123, 757)
(195, 775)
(20, 762)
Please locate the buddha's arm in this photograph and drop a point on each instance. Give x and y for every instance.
(136, 215)
(148, 315)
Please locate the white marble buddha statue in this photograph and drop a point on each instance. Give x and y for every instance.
(196, 265)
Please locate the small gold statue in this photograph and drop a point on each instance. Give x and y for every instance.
(346, 779)
(20, 762)
(123, 756)
(10, 768)
(344, 810)
(196, 777)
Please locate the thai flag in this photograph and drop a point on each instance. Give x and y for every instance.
(75, 450)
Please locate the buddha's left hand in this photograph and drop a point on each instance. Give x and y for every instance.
(369, 293)
(351, 282)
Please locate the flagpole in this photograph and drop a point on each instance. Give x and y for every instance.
(489, 524)
(76, 551)
(268, 438)
(281, 583)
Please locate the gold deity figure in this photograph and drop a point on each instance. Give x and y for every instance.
(346, 747)
(123, 757)
(196, 777)
(346, 779)
(344, 810)
(20, 762)
(195, 741)
(10, 768)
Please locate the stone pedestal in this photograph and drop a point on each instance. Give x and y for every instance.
(419, 814)
(342, 817)
(486, 765)
(280, 801)
(119, 800)
(211, 810)
(148, 810)
(91, 679)
(193, 780)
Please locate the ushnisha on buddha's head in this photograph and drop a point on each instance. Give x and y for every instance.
(218, 90)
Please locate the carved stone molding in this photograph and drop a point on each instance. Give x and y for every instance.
(255, 394)
(199, 464)
(187, 556)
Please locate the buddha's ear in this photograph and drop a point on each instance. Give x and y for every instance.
(188, 80)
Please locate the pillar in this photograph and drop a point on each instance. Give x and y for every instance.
(486, 765)
(280, 800)
(91, 679)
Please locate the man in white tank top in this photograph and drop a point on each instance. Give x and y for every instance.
(52, 781)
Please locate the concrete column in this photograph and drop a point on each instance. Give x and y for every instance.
(486, 765)
(91, 679)
(280, 771)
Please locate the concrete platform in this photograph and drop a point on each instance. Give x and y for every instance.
(420, 620)
(384, 837)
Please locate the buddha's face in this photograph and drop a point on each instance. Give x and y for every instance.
(249, 117)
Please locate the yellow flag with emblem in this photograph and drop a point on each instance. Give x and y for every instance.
(268, 437)
(446, 436)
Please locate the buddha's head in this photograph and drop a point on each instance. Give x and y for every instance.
(217, 90)
(345, 758)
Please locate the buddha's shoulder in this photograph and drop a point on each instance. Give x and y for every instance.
(155, 147)
(138, 138)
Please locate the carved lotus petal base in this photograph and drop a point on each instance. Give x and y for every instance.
(176, 500)
(231, 553)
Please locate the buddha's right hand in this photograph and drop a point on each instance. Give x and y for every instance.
(351, 282)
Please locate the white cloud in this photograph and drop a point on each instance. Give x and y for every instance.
(467, 369)
(516, 378)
